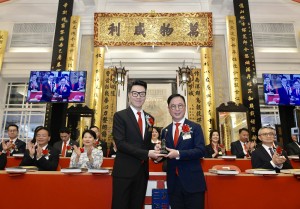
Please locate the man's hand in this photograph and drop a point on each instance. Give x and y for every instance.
(278, 160)
(173, 153)
(4, 145)
(154, 154)
(31, 149)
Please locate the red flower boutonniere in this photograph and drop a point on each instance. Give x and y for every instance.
(97, 143)
(69, 147)
(45, 152)
(150, 120)
(279, 150)
(81, 149)
(186, 129)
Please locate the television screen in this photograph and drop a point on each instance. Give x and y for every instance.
(282, 89)
(56, 86)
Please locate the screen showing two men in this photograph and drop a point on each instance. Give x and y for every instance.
(282, 89)
(56, 86)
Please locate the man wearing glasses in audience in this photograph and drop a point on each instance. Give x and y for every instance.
(132, 131)
(13, 145)
(266, 156)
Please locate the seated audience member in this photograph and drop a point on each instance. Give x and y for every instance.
(33, 85)
(63, 92)
(13, 145)
(242, 148)
(3, 160)
(65, 145)
(266, 156)
(99, 144)
(43, 156)
(268, 87)
(112, 149)
(214, 149)
(79, 86)
(155, 137)
(293, 148)
(295, 95)
(88, 156)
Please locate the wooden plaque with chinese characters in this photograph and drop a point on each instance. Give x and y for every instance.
(147, 29)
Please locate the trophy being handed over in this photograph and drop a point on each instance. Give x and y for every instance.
(163, 149)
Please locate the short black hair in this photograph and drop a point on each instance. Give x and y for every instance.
(51, 74)
(173, 96)
(95, 127)
(137, 83)
(13, 125)
(43, 128)
(243, 129)
(90, 132)
(64, 130)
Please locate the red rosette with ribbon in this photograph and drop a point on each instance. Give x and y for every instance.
(279, 150)
(185, 128)
(45, 152)
(69, 147)
(151, 121)
(81, 149)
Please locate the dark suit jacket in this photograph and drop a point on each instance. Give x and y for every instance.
(293, 149)
(209, 151)
(237, 149)
(261, 159)
(43, 164)
(46, 92)
(284, 97)
(77, 87)
(296, 97)
(20, 147)
(132, 147)
(190, 172)
(3, 160)
(58, 146)
(103, 146)
(65, 92)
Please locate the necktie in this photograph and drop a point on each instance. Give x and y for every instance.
(247, 155)
(271, 151)
(176, 134)
(140, 122)
(63, 152)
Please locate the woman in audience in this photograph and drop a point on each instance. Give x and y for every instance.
(214, 149)
(155, 136)
(41, 155)
(88, 156)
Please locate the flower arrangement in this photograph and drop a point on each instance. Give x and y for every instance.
(149, 120)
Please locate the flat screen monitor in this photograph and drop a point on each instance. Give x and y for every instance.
(56, 87)
(282, 89)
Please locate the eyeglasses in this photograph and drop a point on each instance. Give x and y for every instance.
(267, 134)
(12, 131)
(180, 107)
(136, 93)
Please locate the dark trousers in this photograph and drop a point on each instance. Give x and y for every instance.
(180, 199)
(129, 193)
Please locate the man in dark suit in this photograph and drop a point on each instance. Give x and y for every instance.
(242, 148)
(284, 92)
(185, 143)
(3, 160)
(43, 156)
(265, 156)
(293, 148)
(295, 95)
(132, 130)
(48, 88)
(99, 144)
(13, 145)
(65, 145)
(63, 92)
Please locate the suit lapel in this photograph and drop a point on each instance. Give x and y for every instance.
(266, 154)
(133, 120)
